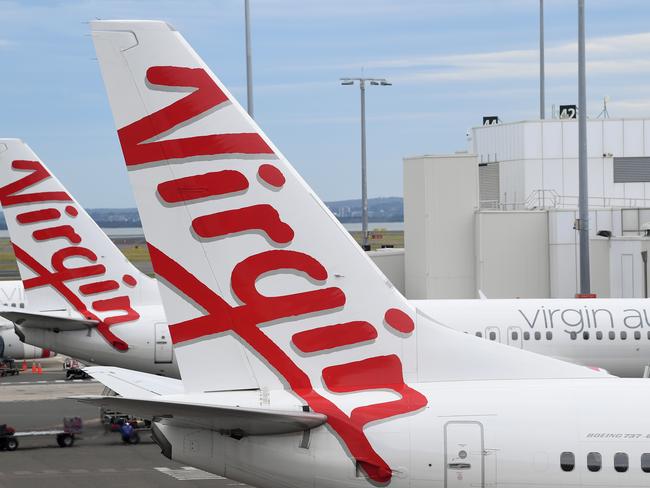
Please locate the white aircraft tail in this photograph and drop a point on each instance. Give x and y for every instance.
(66, 262)
(247, 255)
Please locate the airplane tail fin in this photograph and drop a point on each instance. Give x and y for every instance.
(66, 262)
(248, 256)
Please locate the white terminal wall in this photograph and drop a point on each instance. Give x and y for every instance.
(441, 196)
(391, 263)
(543, 155)
(452, 249)
(512, 254)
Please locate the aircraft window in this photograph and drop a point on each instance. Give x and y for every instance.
(13, 305)
(538, 336)
(567, 461)
(549, 335)
(599, 335)
(526, 336)
(645, 462)
(623, 335)
(594, 461)
(649, 334)
(637, 335)
(585, 335)
(612, 335)
(479, 334)
(493, 336)
(620, 462)
(573, 336)
(514, 335)
(22, 305)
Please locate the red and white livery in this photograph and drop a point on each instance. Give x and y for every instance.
(301, 365)
(84, 298)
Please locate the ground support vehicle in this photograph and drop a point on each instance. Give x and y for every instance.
(8, 368)
(65, 437)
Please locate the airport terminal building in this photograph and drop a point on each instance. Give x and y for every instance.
(499, 217)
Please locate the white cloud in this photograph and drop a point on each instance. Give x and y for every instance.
(630, 108)
(392, 117)
(614, 55)
(416, 9)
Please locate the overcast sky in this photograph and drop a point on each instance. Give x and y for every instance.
(451, 61)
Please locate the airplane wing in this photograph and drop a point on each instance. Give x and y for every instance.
(129, 383)
(226, 419)
(36, 320)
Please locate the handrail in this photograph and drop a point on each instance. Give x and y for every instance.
(547, 198)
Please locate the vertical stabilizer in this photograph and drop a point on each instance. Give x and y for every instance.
(66, 262)
(247, 254)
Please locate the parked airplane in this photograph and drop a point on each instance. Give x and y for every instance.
(613, 334)
(11, 346)
(301, 364)
(86, 300)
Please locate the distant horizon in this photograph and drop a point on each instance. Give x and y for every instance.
(324, 201)
(380, 209)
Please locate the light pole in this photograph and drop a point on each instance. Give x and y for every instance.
(542, 101)
(583, 168)
(364, 182)
(249, 60)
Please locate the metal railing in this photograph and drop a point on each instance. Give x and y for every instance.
(546, 199)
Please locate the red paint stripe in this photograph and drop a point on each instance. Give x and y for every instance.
(255, 218)
(368, 374)
(45, 196)
(202, 186)
(377, 373)
(122, 303)
(129, 280)
(331, 336)
(38, 216)
(99, 287)
(37, 174)
(44, 277)
(206, 96)
(210, 145)
(271, 175)
(60, 231)
(399, 320)
(45, 353)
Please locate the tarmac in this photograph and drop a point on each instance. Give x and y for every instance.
(98, 458)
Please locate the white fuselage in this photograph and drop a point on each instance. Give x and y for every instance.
(11, 347)
(612, 334)
(150, 347)
(472, 434)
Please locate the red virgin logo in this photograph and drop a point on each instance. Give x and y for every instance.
(244, 320)
(47, 226)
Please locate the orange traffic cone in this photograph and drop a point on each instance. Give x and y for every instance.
(40, 370)
(24, 366)
(33, 368)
